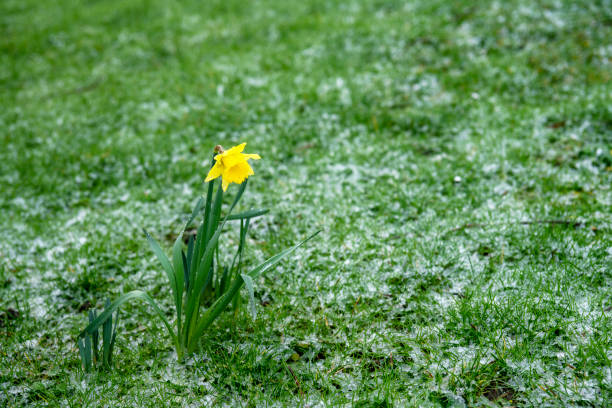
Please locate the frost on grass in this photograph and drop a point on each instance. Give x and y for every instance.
(431, 145)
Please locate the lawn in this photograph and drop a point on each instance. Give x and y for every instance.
(456, 155)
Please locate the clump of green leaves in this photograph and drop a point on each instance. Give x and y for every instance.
(89, 344)
(201, 287)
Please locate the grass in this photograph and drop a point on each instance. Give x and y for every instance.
(457, 157)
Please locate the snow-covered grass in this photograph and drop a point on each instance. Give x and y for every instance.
(457, 156)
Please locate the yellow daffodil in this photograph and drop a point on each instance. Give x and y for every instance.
(232, 165)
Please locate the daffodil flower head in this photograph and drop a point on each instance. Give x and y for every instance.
(232, 165)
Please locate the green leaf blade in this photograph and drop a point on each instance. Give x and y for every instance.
(248, 283)
(215, 310)
(135, 294)
(163, 259)
(248, 214)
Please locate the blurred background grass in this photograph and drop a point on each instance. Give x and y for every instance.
(419, 135)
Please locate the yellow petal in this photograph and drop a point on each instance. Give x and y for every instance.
(215, 172)
(254, 156)
(234, 150)
(232, 160)
(224, 184)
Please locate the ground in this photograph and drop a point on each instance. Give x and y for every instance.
(457, 157)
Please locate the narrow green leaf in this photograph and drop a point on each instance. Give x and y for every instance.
(189, 254)
(209, 278)
(135, 294)
(216, 213)
(179, 274)
(107, 328)
(264, 266)
(217, 255)
(223, 280)
(163, 259)
(211, 314)
(195, 212)
(185, 270)
(81, 345)
(113, 338)
(244, 228)
(88, 353)
(248, 283)
(94, 337)
(206, 221)
(197, 251)
(209, 194)
(247, 214)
